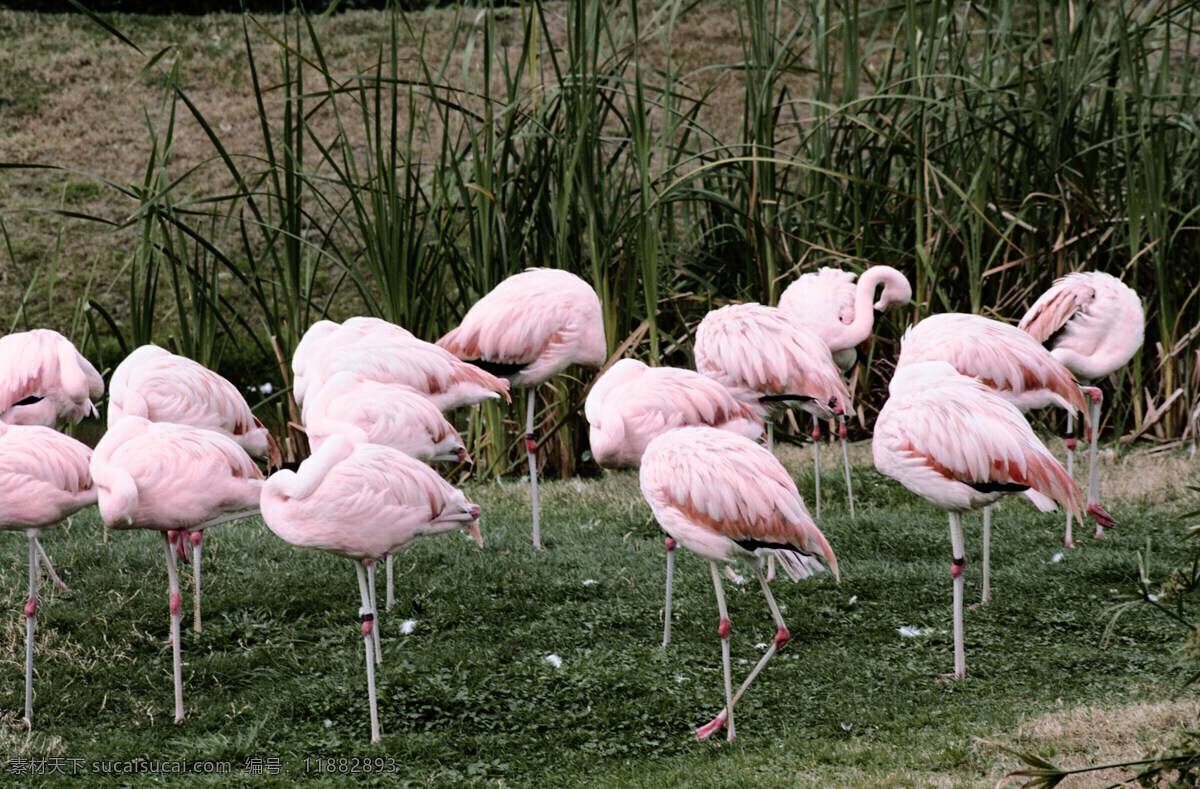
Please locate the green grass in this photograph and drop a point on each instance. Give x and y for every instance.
(469, 697)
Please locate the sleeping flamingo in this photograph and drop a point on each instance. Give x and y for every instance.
(961, 446)
(724, 496)
(768, 360)
(631, 404)
(45, 381)
(44, 477)
(173, 479)
(1093, 323)
(159, 386)
(842, 314)
(1008, 361)
(528, 329)
(363, 501)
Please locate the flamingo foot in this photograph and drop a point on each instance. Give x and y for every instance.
(1101, 516)
(953, 676)
(973, 606)
(1069, 543)
(711, 728)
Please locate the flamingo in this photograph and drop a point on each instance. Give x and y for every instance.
(767, 359)
(174, 479)
(632, 403)
(384, 352)
(45, 381)
(528, 329)
(1008, 361)
(724, 496)
(44, 478)
(159, 386)
(394, 415)
(961, 446)
(1093, 323)
(339, 497)
(842, 314)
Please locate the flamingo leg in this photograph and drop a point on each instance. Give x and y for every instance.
(368, 622)
(49, 567)
(1070, 543)
(670, 543)
(176, 615)
(1093, 479)
(816, 436)
(956, 572)
(30, 615)
(391, 583)
(723, 630)
(197, 538)
(846, 461)
(531, 448)
(374, 609)
(986, 597)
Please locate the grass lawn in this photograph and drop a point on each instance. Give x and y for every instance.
(469, 695)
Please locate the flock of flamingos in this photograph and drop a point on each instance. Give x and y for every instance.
(177, 455)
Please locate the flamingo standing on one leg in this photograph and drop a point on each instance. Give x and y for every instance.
(44, 477)
(842, 314)
(530, 328)
(723, 496)
(362, 501)
(173, 479)
(1008, 361)
(1093, 323)
(159, 386)
(44, 380)
(767, 359)
(961, 446)
(631, 404)
(393, 415)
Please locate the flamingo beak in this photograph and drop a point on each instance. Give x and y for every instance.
(473, 530)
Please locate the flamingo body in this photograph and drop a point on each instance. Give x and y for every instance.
(383, 352)
(159, 386)
(1090, 321)
(531, 327)
(632, 403)
(765, 356)
(45, 381)
(393, 415)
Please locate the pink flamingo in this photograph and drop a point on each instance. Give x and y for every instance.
(384, 352)
(363, 501)
(174, 479)
(394, 415)
(44, 478)
(1008, 361)
(961, 446)
(45, 381)
(159, 386)
(768, 360)
(528, 329)
(1093, 323)
(842, 314)
(631, 404)
(723, 496)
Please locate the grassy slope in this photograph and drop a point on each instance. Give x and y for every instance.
(469, 695)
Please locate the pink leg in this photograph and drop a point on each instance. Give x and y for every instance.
(176, 615)
(30, 616)
(816, 437)
(956, 573)
(670, 543)
(197, 537)
(1098, 513)
(1067, 540)
(368, 622)
(531, 448)
(725, 719)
